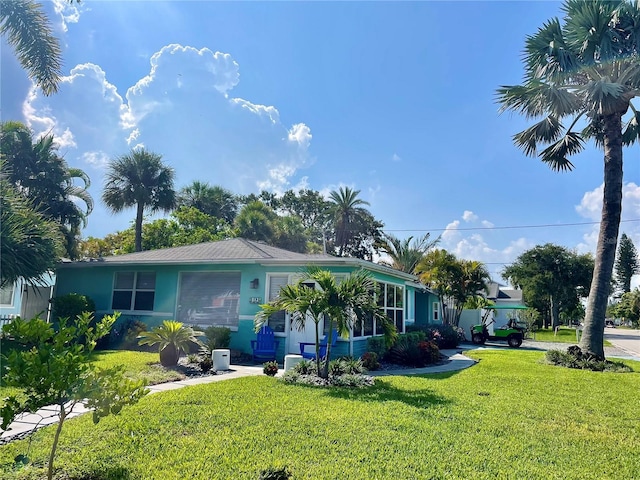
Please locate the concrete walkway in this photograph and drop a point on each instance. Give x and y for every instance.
(28, 422)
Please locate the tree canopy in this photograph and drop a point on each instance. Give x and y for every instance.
(627, 264)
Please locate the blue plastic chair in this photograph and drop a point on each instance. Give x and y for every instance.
(311, 353)
(265, 345)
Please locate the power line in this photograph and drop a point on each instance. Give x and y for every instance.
(511, 227)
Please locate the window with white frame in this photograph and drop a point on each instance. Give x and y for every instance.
(436, 311)
(6, 294)
(134, 291)
(390, 298)
(209, 298)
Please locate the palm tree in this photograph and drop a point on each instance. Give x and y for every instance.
(348, 215)
(257, 221)
(139, 179)
(27, 30)
(404, 255)
(215, 201)
(30, 244)
(339, 304)
(41, 175)
(171, 338)
(586, 71)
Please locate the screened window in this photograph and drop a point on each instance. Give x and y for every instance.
(209, 298)
(277, 320)
(390, 298)
(6, 294)
(134, 291)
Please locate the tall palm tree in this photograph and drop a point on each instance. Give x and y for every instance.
(348, 215)
(585, 71)
(212, 200)
(41, 175)
(404, 255)
(27, 30)
(139, 179)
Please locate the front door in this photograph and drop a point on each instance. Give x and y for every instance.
(307, 335)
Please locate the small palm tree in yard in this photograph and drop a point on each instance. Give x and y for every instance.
(171, 338)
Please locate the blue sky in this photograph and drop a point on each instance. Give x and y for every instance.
(394, 99)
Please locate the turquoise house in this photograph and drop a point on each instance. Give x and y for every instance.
(223, 283)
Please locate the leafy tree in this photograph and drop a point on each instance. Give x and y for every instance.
(30, 244)
(628, 307)
(313, 211)
(214, 201)
(339, 304)
(454, 281)
(171, 338)
(290, 234)
(584, 70)
(552, 279)
(139, 179)
(404, 255)
(28, 31)
(365, 239)
(53, 367)
(627, 264)
(117, 243)
(42, 176)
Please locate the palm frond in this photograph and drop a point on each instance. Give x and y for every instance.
(546, 131)
(537, 98)
(587, 29)
(631, 134)
(28, 31)
(546, 55)
(556, 155)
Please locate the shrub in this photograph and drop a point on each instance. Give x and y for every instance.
(377, 345)
(352, 366)
(270, 368)
(336, 368)
(217, 337)
(445, 336)
(352, 381)
(171, 338)
(71, 305)
(306, 367)
(413, 350)
(370, 361)
(275, 474)
(205, 363)
(193, 358)
(575, 358)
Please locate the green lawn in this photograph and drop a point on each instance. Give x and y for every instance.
(137, 365)
(565, 335)
(510, 416)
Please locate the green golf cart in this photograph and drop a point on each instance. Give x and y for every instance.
(511, 333)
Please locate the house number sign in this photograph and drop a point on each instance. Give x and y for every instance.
(257, 300)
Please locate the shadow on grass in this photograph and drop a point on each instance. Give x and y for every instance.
(385, 392)
(111, 473)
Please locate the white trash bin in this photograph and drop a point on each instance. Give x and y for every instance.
(221, 359)
(291, 361)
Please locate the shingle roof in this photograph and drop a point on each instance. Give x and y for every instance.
(224, 251)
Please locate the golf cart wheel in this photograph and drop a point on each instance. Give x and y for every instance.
(477, 338)
(514, 341)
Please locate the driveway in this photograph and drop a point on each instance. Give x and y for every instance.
(628, 340)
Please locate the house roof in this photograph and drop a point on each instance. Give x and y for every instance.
(232, 251)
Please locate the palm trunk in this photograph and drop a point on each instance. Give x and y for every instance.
(593, 334)
(555, 312)
(139, 216)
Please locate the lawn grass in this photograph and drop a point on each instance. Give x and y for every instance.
(565, 335)
(510, 416)
(138, 365)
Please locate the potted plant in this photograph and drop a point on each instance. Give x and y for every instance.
(171, 337)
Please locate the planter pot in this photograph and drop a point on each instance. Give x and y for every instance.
(169, 356)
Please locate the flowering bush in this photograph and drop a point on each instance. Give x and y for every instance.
(430, 352)
(370, 361)
(270, 368)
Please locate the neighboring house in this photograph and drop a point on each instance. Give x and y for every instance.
(25, 301)
(223, 283)
(507, 304)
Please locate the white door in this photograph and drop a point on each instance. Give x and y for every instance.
(307, 335)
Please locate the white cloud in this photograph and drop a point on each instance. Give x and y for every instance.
(69, 12)
(451, 232)
(590, 207)
(183, 110)
(469, 216)
(65, 140)
(487, 224)
(395, 158)
(96, 159)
